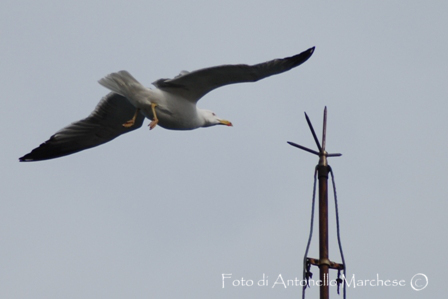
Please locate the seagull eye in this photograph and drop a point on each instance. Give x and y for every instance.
(213, 114)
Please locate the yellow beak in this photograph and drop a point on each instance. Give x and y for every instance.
(225, 122)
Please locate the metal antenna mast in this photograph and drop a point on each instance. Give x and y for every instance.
(323, 169)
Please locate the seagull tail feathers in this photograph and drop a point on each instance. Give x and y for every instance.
(121, 83)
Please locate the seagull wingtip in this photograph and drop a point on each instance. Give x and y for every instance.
(311, 50)
(25, 159)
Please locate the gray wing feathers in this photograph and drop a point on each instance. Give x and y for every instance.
(102, 125)
(196, 84)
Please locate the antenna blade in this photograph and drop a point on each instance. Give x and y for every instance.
(303, 148)
(334, 155)
(324, 129)
(314, 133)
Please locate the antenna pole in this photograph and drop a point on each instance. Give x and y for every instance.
(323, 169)
(324, 262)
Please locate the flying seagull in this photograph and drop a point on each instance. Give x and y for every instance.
(171, 105)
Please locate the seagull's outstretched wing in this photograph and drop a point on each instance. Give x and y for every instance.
(102, 125)
(196, 84)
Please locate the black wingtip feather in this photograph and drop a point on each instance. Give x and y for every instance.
(24, 159)
(45, 152)
(302, 57)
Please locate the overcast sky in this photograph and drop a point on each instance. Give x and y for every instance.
(163, 214)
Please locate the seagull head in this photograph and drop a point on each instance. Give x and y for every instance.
(211, 119)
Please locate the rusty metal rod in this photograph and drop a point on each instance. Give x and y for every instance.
(323, 231)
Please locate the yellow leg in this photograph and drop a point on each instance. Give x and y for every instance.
(155, 121)
(131, 122)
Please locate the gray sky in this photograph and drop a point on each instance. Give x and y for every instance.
(163, 214)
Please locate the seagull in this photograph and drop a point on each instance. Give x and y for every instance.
(171, 105)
